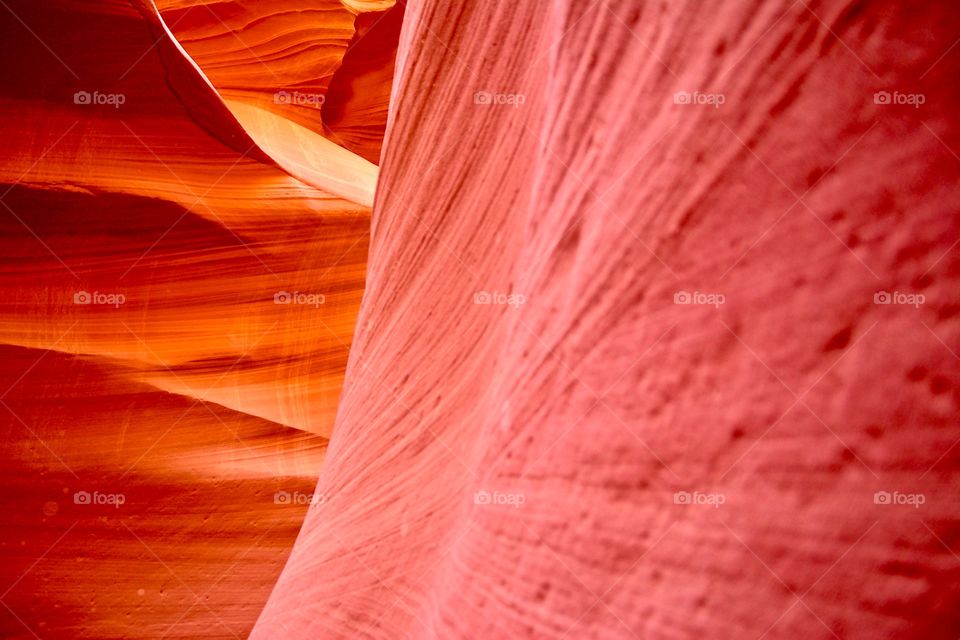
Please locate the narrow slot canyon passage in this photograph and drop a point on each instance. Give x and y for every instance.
(420, 319)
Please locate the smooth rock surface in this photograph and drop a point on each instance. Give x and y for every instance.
(176, 311)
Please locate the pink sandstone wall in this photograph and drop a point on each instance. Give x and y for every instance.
(517, 469)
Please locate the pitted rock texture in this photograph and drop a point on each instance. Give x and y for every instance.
(625, 365)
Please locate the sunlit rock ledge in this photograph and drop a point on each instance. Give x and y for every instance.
(183, 260)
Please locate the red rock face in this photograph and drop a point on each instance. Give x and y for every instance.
(624, 367)
(658, 334)
(179, 291)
